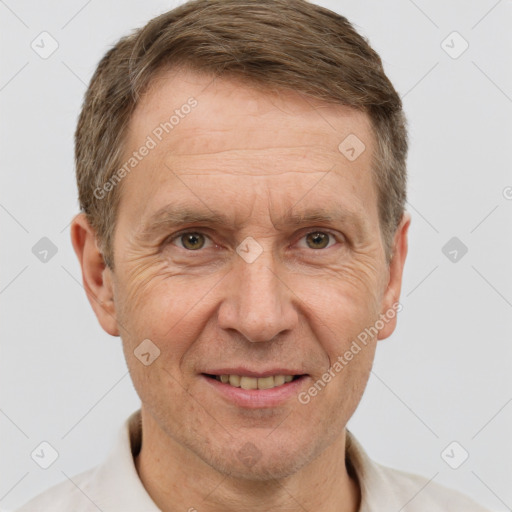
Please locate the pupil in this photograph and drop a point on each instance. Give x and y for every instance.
(192, 241)
(319, 238)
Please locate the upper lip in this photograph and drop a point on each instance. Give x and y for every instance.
(245, 372)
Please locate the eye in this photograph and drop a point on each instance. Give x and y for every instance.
(190, 240)
(195, 240)
(319, 239)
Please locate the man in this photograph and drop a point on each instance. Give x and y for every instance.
(241, 173)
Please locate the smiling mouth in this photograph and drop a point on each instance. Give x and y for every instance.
(244, 382)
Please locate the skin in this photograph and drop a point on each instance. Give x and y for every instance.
(255, 157)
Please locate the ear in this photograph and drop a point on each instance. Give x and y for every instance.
(96, 276)
(390, 301)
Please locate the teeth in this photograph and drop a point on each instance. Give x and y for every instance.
(248, 383)
(234, 380)
(254, 383)
(266, 382)
(279, 380)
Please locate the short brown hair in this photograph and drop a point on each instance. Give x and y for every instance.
(290, 44)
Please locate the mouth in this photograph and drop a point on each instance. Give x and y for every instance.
(254, 389)
(253, 382)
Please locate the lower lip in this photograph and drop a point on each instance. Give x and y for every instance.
(257, 398)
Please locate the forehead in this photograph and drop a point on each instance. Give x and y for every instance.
(247, 141)
(229, 104)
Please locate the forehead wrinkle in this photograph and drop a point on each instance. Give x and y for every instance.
(247, 161)
(217, 172)
(258, 149)
(236, 172)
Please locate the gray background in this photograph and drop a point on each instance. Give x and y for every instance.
(445, 373)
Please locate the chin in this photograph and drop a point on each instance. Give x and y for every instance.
(271, 461)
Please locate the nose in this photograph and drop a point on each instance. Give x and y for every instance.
(258, 303)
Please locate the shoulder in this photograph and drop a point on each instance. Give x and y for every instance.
(72, 494)
(419, 494)
(112, 486)
(389, 490)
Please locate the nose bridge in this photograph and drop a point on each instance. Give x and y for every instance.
(259, 305)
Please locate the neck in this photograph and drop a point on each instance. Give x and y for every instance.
(177, 479)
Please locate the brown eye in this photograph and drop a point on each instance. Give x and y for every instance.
(317, 240)
(192, 241)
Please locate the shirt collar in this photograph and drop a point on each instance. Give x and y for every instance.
(121, 489)
(376, 490)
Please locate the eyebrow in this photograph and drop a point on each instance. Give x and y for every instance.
(172, 216)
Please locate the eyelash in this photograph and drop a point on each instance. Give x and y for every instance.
(177, 236)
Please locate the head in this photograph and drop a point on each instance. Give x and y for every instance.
(241, 173)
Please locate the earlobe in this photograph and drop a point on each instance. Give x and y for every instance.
(96, 276)
(391, 299)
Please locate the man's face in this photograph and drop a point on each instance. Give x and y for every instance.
(281, 271)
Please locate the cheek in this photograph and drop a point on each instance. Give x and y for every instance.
(340, 328)
(154, 303)
(346, 388)
(339, 308)
(343, 302)
(172, 308)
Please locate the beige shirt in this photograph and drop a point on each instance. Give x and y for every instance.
(115, 486)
